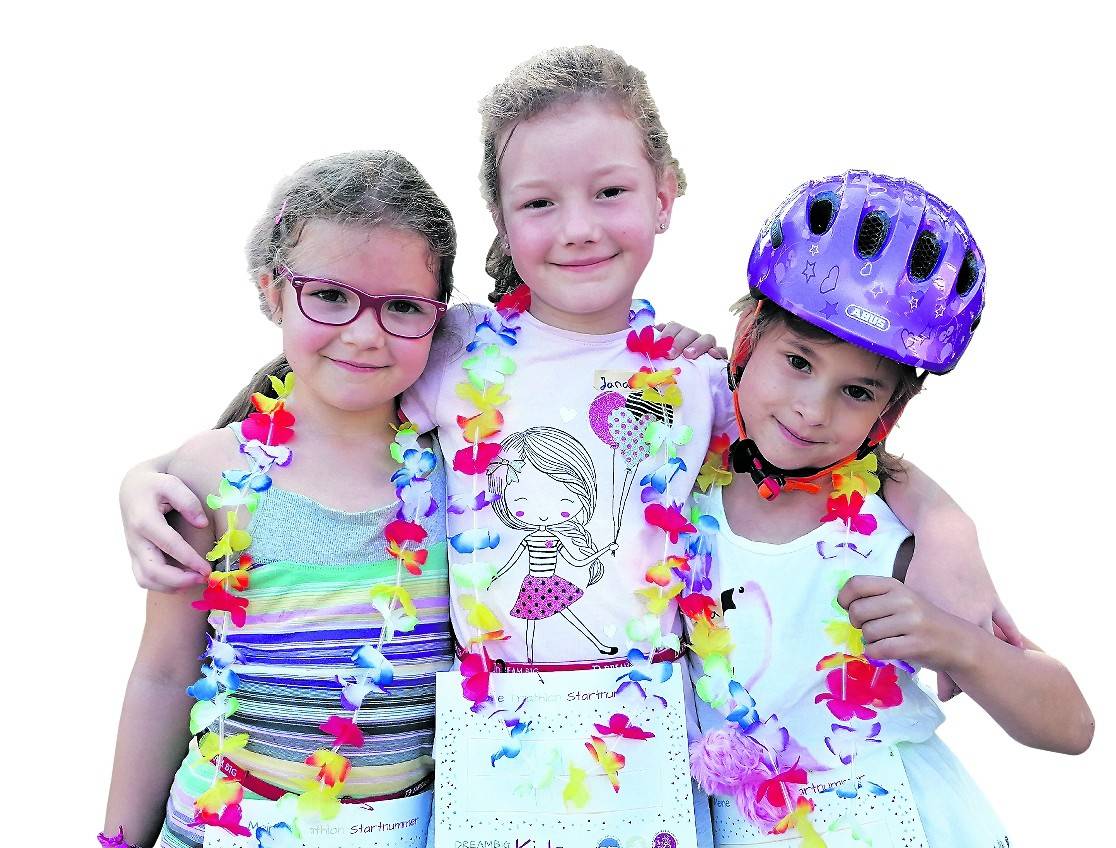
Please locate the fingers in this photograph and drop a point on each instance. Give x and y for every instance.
(888, 627)
(163, 537)
(946, 687)
(871, 607)
(1005, 624)
(683, 337)
(690, 343)
(863, 586)
(892, 648)
(152, 571)
(701, 345)
(179, 498)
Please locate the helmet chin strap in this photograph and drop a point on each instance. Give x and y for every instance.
(771, 480)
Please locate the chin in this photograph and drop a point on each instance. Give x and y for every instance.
(592, 297)
(363, 398)
(784, 455)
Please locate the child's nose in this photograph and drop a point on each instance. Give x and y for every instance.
(364, 330)
(579, 224)
(813, 407)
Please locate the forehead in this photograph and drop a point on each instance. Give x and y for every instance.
(367, 258)
(567, 138)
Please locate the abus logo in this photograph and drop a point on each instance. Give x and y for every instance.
(868, 317)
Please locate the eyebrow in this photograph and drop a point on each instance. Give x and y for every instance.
(403, 289)
(534, 183)
(806, 350)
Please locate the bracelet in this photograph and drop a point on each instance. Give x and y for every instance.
(114, 841)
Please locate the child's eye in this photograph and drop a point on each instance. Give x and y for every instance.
(329, 295)
(404, 307)
(859, 393)
(612, 191)
(538, 203)
(798, 363)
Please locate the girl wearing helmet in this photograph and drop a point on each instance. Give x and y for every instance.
(860, 286)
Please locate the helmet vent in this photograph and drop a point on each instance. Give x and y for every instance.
(823, 210)
(776, 234)
(976, 323)
(872, 234)
(970, 271)
(925, 254)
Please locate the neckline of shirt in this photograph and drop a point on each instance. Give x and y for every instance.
(585, 339)
(715, 506)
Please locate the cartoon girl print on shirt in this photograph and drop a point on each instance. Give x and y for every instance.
(546, 484)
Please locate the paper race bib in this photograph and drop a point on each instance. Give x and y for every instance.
(585, 768)
(880, 813)
(398, 823)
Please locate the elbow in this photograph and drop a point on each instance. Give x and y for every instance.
(1083, 735)
(1072, 738)
(1079, 734)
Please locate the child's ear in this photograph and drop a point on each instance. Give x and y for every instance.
(271, 290)
(667, 192)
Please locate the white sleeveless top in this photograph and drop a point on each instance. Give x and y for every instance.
(777, 600)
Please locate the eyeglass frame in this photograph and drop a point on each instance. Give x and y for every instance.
(366, 301)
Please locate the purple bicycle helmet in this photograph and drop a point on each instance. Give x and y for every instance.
(878, 262)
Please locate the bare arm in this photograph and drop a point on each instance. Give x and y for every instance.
(1029, 694)
(947, 568)
(154, 721)
(147, 494)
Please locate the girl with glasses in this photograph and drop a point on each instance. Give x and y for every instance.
(325, 617)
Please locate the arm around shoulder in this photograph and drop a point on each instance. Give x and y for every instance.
(162, 557)
(947, 567)
(154, 721)
(1028, 692)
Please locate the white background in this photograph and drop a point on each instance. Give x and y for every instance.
(142, 144)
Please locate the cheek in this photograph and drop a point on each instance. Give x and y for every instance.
(528, 238)
(410, 356)
(758, 388)
(301, 337)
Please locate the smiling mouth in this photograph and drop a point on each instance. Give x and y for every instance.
(586, 264)
(354, 366)
(793, 437)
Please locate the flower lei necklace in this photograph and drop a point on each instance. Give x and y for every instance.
(264, 435)
(655, 382)
(743, 760)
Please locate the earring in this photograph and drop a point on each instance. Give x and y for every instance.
(662, 226)
(504, 245)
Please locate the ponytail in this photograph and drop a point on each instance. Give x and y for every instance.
(501, 269)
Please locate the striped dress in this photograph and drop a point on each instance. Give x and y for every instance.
(309, 609)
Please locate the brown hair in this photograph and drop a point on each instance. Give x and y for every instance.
(755, 323)
(366, 189)
(563, 75)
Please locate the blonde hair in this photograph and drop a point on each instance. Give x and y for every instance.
(563, 75)
(755, 323)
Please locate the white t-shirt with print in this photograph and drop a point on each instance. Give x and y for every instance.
(570, 403)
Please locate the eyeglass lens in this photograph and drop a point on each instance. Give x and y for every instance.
(332, 305)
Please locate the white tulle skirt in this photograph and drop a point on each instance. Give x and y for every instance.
(954, 811)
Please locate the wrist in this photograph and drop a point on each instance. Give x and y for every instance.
(963, 653)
